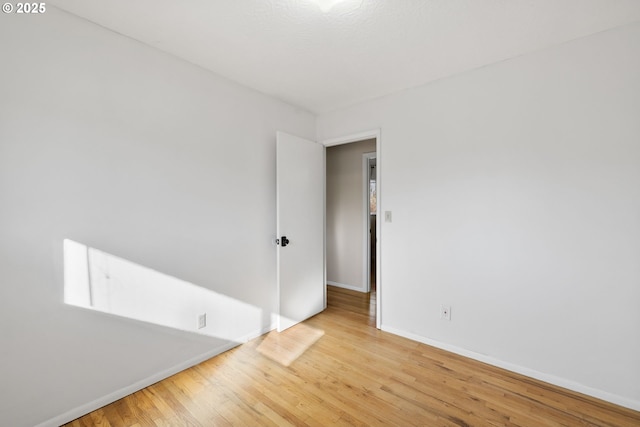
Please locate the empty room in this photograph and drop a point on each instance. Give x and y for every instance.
(175, 247)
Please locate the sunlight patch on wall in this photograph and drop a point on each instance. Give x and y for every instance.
(100, 281)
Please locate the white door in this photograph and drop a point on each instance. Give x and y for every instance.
(300, 229)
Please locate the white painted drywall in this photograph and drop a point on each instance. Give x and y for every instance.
(135, 153)
(514, 192)
(345, 214)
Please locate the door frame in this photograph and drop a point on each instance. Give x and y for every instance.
(361, 136)
(366, 202)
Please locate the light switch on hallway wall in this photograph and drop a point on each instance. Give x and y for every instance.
(387, 216)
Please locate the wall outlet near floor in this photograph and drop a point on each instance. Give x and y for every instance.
(445, 312)
(202, 321)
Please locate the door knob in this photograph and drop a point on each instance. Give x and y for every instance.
(284, 241)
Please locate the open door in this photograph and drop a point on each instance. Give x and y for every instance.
(300, 229)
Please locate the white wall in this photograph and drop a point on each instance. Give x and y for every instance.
(345, 215)
(514, 192)
(132, 152)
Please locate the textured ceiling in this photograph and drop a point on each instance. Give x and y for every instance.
(360, 49)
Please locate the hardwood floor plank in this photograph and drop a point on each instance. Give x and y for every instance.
(338, 369)
(297, 394)
(251, 397)
(98, 418)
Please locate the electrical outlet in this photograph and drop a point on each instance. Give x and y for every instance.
(387, 216)
(202, 321)
(445, 312)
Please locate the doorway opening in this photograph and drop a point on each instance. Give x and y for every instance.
(371, 215)
(352, 225)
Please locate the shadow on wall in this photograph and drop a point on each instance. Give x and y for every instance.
(100, 281)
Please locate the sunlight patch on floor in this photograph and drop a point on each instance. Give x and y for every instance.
(286, 346)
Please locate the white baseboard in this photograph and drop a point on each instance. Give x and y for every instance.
(350, 287)
(548, 378)
(139, 385)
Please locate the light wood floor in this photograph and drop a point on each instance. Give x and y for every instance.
(337, 369)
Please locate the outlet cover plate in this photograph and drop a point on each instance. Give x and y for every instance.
(445, 312)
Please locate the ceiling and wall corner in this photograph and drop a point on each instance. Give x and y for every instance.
(358, 50)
